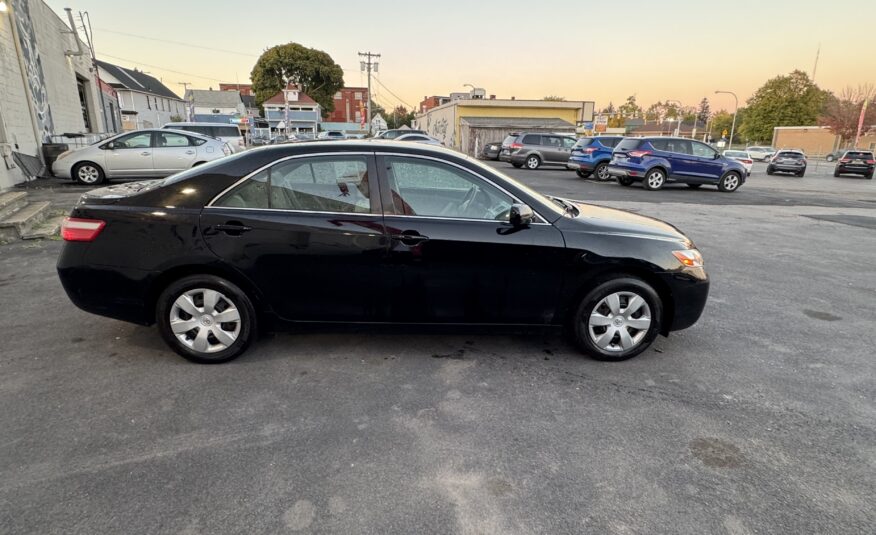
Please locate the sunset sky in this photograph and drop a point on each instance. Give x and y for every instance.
(581, 50)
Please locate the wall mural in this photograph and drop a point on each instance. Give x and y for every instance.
(33, 65)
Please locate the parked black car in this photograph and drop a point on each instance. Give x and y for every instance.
(836, 155)
(855, 162)
(787, 161)
(491, 151)
(370, 231)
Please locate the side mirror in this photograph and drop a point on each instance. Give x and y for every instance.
(110, 146)
(717, 155)
(521, 215)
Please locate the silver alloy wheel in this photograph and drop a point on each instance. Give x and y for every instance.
(603, 173)
(532, 162)
(205, 320)
(88, 174)
(619, 322)
(655, 179)
(731, 182)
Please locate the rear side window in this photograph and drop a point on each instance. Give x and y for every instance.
(225, 131)
(630, 144)
(659, 144)
(532, 139)
(509, 140)
(609, 142)
(583, 142)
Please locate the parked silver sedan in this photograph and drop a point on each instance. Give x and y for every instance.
(148, 153)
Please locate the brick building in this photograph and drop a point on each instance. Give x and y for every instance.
(432, 102)
(351, 110)
(245, 90)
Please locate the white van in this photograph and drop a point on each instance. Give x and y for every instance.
(229, 133)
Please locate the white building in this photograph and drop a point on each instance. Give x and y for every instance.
(145, 102)
(47, 87)
(378, 123)
(291, 111)
(206, 105)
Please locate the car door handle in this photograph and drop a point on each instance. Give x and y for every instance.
(145, 153)
(410, 237)
(190, 152)
(233, 228)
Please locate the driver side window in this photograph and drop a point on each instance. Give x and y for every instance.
(704, 151)
(432, 189)
(142, 140)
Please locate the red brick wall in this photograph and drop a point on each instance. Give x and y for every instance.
(427, 104)
(245, 89)
(347, 105)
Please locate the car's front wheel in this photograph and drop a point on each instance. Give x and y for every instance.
(206, 319)
(655, 179)
(618, 319)
(533, 162)
(730, 182)
(88, 173)
(582, 173)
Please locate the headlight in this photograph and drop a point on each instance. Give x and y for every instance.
(689, 258)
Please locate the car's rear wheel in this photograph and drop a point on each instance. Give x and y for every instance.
(694, 186)
(88, 173)
(625, 181)
(533, 162)
(618, 319)
(770, 170)
(206, 319)
(582, 173)
(655, 179)
(601, 172)
(730, 182)
(836, 173)
(801, 173)
(870, 176)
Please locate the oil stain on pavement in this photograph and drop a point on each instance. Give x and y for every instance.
(716, 453)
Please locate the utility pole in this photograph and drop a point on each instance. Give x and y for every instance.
(815, 67)
(185, 90)
(86, 29)
(735, 112)
(367, 65)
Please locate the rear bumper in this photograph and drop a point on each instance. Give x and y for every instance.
(629, 172)
(787, 168)
(855, 169)
(579, 164)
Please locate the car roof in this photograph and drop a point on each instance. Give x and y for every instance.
(164, 130)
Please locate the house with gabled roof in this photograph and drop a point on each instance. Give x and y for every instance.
(292, 111)
(144, 101)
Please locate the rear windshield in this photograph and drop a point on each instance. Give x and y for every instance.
(788, 154)
(509, 140)
(859, 154)
(628, 144)
(583, 142)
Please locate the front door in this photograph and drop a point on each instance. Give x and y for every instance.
(309, 234)
(708, 165)
(172, 152)
(454, 258)
(130, 156)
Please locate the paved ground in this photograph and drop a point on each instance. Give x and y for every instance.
(760, 419)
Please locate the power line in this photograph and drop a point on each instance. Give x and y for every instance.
(391, 93)
(180, 43)
(162, 68)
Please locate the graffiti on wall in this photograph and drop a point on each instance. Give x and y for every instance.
(442, 130)
(33, 65)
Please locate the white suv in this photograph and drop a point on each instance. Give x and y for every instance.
(228, 133)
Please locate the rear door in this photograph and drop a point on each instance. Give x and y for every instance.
(308, 233)
(454, 257)
(554, 150)
(131, 156)
(172, 152)
(682, 162)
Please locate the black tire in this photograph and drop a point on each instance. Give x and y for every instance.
(625, 181)
(654, 179)
(869, 177)
(601, 172)
(694, 186)
(581, 329)
(730, 182)
(230, 295)
(517, 165)
(88, 173)
(836, 174)
(801, 174)
(582, 173)
(533, 162)
(830, 158)
(770, 170)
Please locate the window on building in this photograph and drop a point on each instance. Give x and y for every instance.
(148, 104)
(83, 102)
(338, 95)
(357, 95)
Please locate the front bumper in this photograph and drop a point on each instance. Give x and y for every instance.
(689, 295)
(62, 169)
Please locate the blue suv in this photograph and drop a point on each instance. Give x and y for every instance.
(591, 155)
(654, 161)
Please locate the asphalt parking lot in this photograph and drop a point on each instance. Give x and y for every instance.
(759, 419)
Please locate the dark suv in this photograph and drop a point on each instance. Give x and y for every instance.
(536, 149)
(855, 162)
(591, 156)
(787, 161)
(654, 161)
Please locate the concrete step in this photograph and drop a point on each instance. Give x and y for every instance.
(24, 220)
(11, 202)
(50, 228)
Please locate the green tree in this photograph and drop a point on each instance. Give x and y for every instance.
(313, 71)
(399, 117)
(554, 98)
(609, 110)
(704, 111)
(630, 109)
(792, 100)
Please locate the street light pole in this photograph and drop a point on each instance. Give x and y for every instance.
(678, 116)
(735, 112)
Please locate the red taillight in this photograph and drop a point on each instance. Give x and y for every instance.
(871, 162)
(75, 229)
(516, 145)
(591, 150)
(747, 161)
(844, 160)
(639, 153)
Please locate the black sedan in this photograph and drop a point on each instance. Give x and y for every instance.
(855, 162)
(491, 151)
(371, 232)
